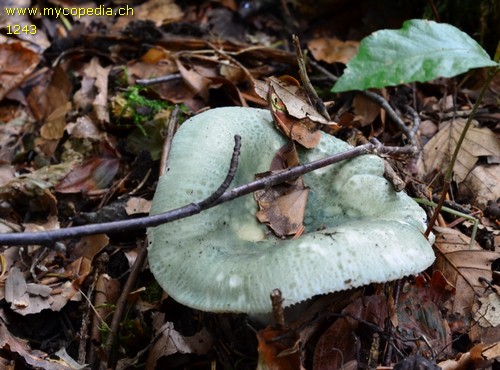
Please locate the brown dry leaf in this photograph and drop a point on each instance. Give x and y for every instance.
(278, 350)
(338, 344)
(154, 63)
(51, 223)
(84, 128)
(282, 206)
(33, 189)
(84, 253)
(84, 96)
(462, 266)
(492, 351)
(487, 314)
(10, 133)
(98, 76)
(474, 359)
(17, 63)
(55, 123)
(295, 100)
(332, 50)
(170, 341)
(16, 290)
(303, 131)
(419, 316)
(437, 152)
(482, 184)
(94, 174)
(366, 110)
(196, 82)
(284, 210)
(66, 292)
(26, 298)
(13, 345)
(159, 12)
(137, 205)
(52, 90)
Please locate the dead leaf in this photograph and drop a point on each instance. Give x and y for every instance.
(15, 290)
(303, 131)
(282, 206)
(487, 315)
(333, 50)
(94, 174)
(419, 316)
(462, 266)
(278, 350)
(366, 110)
(84, 128)
(158, 11)
(66, 292)
(66, 359)
(337, 346)
(170, 341)
(55, 123)
(52, 91)
(285, 213)
(474, 359)
(492, 351)
(26, 298)
(17, 63)
(137, 205)
(295, 100)
(84, 253)
(36, 41)
(98, 75)
(14, 345)
(482, 184)
(437, 152)
(196, 81)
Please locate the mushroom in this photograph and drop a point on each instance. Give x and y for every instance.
(358, 230)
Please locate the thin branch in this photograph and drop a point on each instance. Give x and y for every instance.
(158, 80)
(49, 237)
(121, 305)
(171, 127)
(229, 177)
(311, 93)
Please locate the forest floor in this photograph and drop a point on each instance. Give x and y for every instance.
(85, 104)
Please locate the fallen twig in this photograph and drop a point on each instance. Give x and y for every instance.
(171, 127)
(51, 236)
(121, 304)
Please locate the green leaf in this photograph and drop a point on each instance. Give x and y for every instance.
(420, 51)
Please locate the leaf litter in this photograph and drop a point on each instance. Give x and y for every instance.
(63, 158)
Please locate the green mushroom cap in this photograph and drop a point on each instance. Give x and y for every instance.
(358, 230)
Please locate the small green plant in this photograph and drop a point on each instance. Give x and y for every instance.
(131, 105)
(420, 51)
